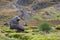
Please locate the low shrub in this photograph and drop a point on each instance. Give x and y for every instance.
(45, 27)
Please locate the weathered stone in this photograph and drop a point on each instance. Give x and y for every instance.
(14, 24)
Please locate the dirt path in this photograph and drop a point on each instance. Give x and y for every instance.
(35, 23)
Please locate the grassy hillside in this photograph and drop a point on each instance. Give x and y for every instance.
(49, 14)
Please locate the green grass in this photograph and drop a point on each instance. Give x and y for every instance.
(33, 34)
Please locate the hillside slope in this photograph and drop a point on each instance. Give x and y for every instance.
(45, 13)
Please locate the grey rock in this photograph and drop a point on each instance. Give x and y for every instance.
(41, 5)
(24, 2)
(14, 24)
